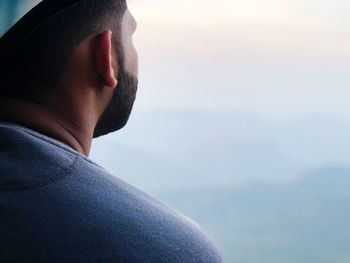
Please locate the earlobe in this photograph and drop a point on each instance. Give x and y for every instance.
(105, 57)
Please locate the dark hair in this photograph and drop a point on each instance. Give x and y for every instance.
(38, 61)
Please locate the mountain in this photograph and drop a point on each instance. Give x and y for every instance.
(301, 222)
(180, 149)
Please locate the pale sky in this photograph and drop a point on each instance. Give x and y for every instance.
(249, 26)
(273, 57)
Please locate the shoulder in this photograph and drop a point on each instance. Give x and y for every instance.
(66, 208)
(140, 226)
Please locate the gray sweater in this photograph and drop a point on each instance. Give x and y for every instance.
(56, 205)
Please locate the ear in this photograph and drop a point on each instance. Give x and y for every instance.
(105, 59)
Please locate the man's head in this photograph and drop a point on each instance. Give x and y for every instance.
(117, 113)
(88, 44)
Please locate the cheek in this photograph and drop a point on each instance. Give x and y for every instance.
(131, 56)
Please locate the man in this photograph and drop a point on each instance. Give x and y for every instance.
(68, 74)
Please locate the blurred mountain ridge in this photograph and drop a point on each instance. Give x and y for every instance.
(178, 149)
(296, 222)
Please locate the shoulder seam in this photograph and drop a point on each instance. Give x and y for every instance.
(35, 185)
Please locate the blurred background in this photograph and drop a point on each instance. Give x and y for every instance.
(242, 122)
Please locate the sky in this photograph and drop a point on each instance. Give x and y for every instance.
(274, 57)
(277, 58)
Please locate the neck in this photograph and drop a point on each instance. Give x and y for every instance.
(44, 120)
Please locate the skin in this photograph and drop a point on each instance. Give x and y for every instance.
(70, 113)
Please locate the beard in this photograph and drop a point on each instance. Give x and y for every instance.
(119, 109)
